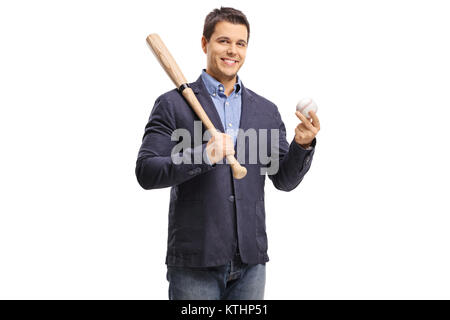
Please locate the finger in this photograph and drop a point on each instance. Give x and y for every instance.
(224, 142)
(304, 120)
(299, 133)
(229, 139)
(308, 132)
(315, 120)
(300, 116)
(228, 145)
(217, 135)
(301, 128)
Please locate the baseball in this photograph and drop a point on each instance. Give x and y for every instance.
(306, 105)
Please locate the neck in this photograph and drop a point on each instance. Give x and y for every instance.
(228, 83)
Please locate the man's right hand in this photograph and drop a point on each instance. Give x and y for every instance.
(219, 146)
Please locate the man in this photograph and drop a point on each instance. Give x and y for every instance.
(217, 243)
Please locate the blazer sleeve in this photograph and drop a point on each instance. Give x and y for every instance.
(294, 160)
(154, 166)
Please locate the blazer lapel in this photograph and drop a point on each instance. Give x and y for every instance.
(208, 105)
(248, 113)
(248, 108)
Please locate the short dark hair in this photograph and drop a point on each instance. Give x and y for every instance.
(224, 14)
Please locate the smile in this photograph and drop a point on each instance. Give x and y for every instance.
(229, 62)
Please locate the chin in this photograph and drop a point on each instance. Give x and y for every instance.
(229, 73)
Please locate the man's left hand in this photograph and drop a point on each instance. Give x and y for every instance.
(307, 130)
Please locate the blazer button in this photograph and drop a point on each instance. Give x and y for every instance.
(231, 198)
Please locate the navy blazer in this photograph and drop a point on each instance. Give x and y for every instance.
(210, 212)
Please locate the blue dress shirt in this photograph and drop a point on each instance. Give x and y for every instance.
(228, 108)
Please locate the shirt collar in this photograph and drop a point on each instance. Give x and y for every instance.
(213, 86)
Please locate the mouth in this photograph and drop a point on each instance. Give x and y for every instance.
(229, 62)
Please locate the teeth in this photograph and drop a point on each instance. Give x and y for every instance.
(229, 61)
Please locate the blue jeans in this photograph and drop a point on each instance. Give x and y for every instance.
(233, 281)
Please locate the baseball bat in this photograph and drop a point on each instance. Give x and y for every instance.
(169, 64)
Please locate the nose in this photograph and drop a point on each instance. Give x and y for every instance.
(232, 50)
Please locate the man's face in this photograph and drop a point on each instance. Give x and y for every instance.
(225, 50)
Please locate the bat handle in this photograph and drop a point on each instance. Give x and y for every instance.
(238, 171)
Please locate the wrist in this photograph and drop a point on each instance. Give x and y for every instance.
(305, 146)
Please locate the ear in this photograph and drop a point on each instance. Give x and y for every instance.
(204, 43)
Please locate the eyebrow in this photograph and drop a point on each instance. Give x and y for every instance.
(226, 38)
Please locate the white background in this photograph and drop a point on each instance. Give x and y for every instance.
(77, 84)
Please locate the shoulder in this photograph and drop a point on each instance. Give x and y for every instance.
(263, 103)
(163, 107)
(168, 101)
(169, 96)
(260, 98)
